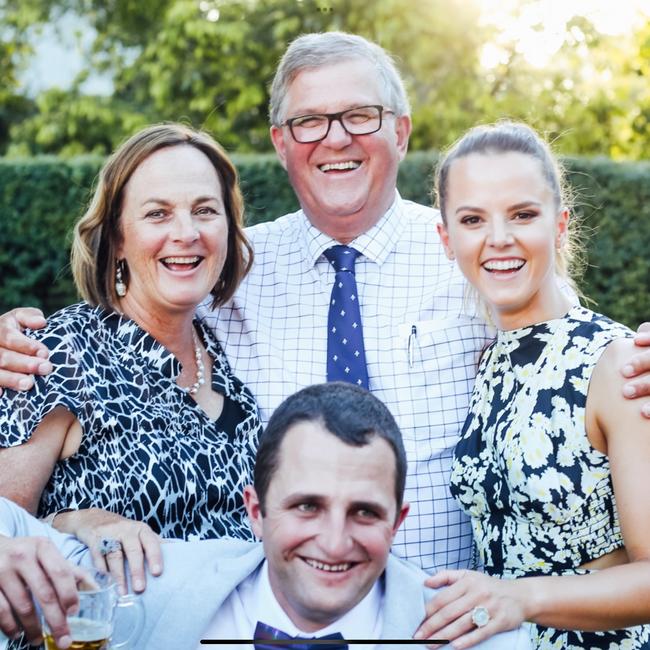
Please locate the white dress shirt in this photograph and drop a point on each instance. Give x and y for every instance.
(422, 341)
(254, 601)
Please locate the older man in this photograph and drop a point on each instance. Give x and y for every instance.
(327, 500)
(421, 345)
(340, 126)
(355, 285)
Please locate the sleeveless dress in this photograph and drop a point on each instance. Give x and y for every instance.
(539, 495)
(148, 451)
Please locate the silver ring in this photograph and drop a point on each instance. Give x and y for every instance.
(109, 545)
(480, 616)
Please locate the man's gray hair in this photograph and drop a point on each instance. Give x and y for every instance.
(330, 48)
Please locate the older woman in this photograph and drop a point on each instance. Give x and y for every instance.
(141, 430)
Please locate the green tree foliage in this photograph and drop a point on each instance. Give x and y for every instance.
(216, 72)
(70, 123)
(14, 52)
(173, 60)
(210, 62)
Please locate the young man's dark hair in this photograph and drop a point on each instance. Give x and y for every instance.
(348, 412)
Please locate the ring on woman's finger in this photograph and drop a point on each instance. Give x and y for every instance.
(109, 545)
(480, 616)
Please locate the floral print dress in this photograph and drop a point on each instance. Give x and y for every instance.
(539, 495)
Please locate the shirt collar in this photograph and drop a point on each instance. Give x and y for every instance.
(361, 622)
(376, 244)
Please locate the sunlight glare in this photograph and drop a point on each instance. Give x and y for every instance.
(538, 29)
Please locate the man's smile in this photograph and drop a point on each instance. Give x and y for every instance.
(345, 165)
(330, 568)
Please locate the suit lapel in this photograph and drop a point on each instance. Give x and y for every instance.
(404, 600)
(197, 579)
(199, 576)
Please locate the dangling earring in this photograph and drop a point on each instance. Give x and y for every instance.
(120, 287)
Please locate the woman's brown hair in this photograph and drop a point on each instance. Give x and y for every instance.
(97, 234)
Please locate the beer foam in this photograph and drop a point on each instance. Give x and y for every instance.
(85, 629)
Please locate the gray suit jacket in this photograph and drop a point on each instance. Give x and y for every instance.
(199, 576)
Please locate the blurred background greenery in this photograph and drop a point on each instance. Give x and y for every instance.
(40, 198)
(577, 70)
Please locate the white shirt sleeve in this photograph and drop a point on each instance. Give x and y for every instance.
(17, 522)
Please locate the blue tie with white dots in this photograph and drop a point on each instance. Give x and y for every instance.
(346, 357)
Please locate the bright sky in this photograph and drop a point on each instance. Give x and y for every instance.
(60, 52)
(538, 45)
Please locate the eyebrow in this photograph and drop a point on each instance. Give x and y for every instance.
(471, 208)
(524, 204)
(200, 199)
(370, 505)
(321, 112)
(299, 497)
(320, 499)
(516, 206)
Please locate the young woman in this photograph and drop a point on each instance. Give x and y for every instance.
(553, 465)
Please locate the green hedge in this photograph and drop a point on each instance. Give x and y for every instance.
(41, 198)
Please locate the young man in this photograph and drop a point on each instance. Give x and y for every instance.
(326, 503)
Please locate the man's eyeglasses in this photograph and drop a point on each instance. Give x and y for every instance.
(361, 120)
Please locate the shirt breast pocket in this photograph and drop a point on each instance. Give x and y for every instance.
(439, 359)
(444, 344)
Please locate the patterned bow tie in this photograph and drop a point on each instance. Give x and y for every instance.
(268, 638)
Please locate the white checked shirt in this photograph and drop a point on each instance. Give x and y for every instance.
(274, 333)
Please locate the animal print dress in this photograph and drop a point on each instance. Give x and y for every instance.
(148, 451)
(539, 495)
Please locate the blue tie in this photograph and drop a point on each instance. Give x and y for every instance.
(346, 356)
(264, 632)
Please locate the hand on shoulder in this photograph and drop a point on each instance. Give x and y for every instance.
(135, 543)
(636, 368)
(463, 596)
(609, 388)
(20, 356)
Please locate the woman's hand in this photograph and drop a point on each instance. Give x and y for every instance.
(449, 612)
(137, 543)
(32, 567)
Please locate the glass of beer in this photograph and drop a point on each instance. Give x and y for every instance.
(91, 628)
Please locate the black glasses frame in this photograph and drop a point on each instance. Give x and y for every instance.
(336, 117)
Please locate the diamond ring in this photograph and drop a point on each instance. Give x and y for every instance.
(109, 545)
(480, 616)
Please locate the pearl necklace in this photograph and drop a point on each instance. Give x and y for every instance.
(200, 368)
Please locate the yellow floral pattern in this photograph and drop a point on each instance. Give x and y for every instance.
(540, 496)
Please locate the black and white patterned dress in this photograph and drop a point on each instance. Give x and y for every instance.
(148, 451)
(539, 495)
